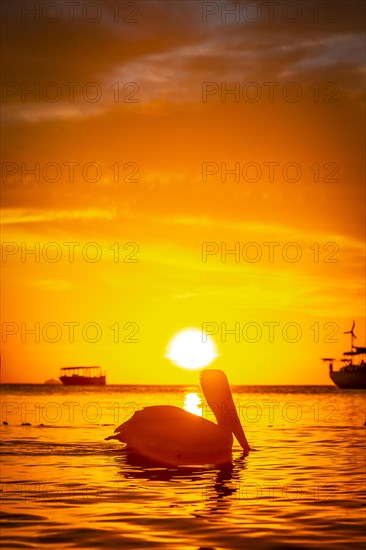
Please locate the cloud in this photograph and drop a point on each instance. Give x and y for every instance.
(168, 53)
(53, 284)
(80, 50)
(14, 216)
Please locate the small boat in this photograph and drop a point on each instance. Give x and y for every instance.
(82, 376)
(352, 376)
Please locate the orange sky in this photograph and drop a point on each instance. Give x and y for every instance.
(163, 141)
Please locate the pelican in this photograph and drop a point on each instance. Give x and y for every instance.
(173, 436)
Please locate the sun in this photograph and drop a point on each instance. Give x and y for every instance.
(191, 349)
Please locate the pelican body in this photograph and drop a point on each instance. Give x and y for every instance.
(171, 435)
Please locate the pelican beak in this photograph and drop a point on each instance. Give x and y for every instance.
(240, 435)
(217, 391)
(231, 419)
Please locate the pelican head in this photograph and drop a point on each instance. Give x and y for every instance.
(216, 389)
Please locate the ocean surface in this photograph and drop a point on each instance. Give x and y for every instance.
(63, 486)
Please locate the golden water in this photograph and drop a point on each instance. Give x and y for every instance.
(63, 486)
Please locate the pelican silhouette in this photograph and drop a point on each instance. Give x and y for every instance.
(170, 435)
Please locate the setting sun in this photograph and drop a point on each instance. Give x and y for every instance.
(188, 350)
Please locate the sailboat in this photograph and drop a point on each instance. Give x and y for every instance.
(352, 376)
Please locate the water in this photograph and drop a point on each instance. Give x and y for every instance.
(63, 486)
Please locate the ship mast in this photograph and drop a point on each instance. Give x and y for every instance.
(353, 337)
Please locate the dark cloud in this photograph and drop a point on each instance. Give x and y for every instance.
(82, 51)
(169, 37)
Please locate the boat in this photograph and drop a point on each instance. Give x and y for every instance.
(82, 376)
(352, 376)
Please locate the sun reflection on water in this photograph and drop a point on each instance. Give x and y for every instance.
(192, 403)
